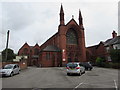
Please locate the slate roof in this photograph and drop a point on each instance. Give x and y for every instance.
(52, 48)
(112, 41)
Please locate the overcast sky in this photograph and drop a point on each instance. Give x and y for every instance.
(35, 21)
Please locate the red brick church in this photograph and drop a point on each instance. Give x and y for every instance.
(67, 45)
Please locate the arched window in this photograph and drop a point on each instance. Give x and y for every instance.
(25, 51)
(71, 36)
(36, 51)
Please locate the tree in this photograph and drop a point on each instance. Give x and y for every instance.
(10, 55)
(115, 55)
(100, 61)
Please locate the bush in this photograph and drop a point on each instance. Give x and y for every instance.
(116, 65)
(100, 62)
(115, 55)
(112, 65)
(108, 65)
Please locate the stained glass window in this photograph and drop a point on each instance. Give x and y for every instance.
(71, 37)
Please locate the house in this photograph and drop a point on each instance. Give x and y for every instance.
(103, 48)
(32, 53)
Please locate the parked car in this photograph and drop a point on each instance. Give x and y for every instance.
(75, 68)
(10, 70)
(87, 65)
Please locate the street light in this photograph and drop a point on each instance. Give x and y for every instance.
(7, 44)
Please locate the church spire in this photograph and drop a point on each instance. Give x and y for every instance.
(61, 15)
(80, 18)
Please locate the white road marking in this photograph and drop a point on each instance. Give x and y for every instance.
(115, 84)
(83, 74)
(98, 84)
(78, 85)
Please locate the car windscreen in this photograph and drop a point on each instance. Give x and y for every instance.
(8, 67)
(72, 65)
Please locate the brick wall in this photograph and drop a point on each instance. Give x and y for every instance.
(22, 64)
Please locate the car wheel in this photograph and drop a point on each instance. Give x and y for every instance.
(11, 74)
(18, 72)
(68, 74)
(83, 72)
(80, 73)
(90, 69)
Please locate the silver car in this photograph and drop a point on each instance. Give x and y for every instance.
(75, 68)
(10, 70)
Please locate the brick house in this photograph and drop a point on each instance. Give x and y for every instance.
(67, 45)
(103, 48)
(32, 52)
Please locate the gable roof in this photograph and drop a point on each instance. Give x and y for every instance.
(112, 41)
(52, 48)
(26, 44)
(45, 43)
(73, 21)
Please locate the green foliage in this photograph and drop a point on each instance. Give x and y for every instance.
(10, 55)
(115, 55)
(100, 61)
(112, 65)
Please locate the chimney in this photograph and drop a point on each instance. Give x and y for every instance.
(114, 34)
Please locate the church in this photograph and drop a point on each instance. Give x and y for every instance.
(67, 45)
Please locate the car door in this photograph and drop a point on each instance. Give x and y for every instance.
(15, 69)
(18, 68)
(82, 68)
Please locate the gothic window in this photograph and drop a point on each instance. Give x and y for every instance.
(25, 51)
(47, 56)
(36, 51)
(71, 37)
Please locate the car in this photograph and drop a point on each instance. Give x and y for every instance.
(10, 70)
(87, 65)
(75, 68)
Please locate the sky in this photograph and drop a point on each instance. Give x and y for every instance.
(36, 21)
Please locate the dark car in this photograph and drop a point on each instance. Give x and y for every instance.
(87, 65)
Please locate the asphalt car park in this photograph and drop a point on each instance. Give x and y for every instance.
(56, 77)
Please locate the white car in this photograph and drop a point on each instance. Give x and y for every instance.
(75, 68)
(10, 70)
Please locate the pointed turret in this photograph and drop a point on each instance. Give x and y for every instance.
(80, 18)
(61, 15)
(36, 44)
(26, 43)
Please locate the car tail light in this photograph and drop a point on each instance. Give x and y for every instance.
(77, 67)
(67, 68)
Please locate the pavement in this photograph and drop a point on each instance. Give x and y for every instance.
(56, 77)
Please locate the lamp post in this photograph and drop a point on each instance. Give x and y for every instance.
(7, 44)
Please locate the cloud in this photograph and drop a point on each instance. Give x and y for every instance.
(35, 22)
(17, 15)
